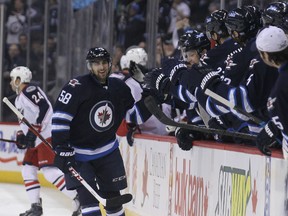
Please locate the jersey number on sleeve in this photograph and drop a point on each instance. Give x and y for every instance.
(64, 97)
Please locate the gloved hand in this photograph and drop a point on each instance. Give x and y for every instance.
(160, 98)
(207, 76)
(156, 80)
(136, 72)
(20, 140)
(267, 137)
(201, 76)
(30, 138)
(186, 137)
(221, 123)
(37, 127)
(173, 68)
(64, 158)
(217, 123)
(132, 129)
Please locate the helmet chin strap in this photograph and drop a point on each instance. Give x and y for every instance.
(17, 89)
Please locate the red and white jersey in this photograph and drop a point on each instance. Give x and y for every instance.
(151, 125)
(34, 105)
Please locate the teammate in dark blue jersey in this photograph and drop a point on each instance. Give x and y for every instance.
(225, 45)
(86, 116)
(272, 43)
(242, 24)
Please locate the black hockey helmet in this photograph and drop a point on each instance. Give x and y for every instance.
(194, 40)
(276, 14)
(243, 21)
(98, 53)
(257, 14)
(185, 36)
(215, 23)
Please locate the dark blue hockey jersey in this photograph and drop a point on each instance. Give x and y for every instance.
(216, 57)
(238, 62)
(87, 115)
(251, 95)
(278, 101)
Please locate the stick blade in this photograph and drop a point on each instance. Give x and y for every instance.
(119, 200)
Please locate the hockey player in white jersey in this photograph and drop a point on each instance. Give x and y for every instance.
(134, 65)
(32, 102)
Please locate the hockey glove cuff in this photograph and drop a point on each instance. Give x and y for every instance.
(267, 137)
(132, 129)
(30, 138)
(184, 138)
(20, 140)
(173, 68)
(156, 80)
(64, 158)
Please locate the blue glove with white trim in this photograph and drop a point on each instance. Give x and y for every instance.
(173, 68)
(267, 137)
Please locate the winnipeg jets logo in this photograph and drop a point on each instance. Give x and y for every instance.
(101, 116)
(203, 58)
(74, 82)
(104, 116)
(229, 63)
(252, 63)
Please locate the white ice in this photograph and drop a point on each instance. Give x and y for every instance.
(14, 200)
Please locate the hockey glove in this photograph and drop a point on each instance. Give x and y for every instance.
(173, 68)
(217, 123)
(156, 80)
(186, 137)
(267, 137)
(136, 72)
(207, 76)
(132, 129)
(64, 158)
(29, 140)
(20, 140)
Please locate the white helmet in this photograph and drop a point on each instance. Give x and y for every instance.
(124, 62)
(138, 55)
(23, 73)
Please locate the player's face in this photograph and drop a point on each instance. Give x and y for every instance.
(191, 57)
(101, 69)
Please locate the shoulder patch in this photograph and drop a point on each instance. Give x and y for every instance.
(270, 103)
(74, 82)
(252, 63)
(30, 89)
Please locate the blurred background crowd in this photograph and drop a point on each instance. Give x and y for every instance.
(52, 37)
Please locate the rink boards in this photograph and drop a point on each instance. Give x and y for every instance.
(211, 179)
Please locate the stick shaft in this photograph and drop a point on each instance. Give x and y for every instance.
(7, 140)
(232, 106)
(158, 113)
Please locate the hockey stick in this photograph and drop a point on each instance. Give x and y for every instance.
(7, 140)
(113, 202)
(232, 106)
(158, 113)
